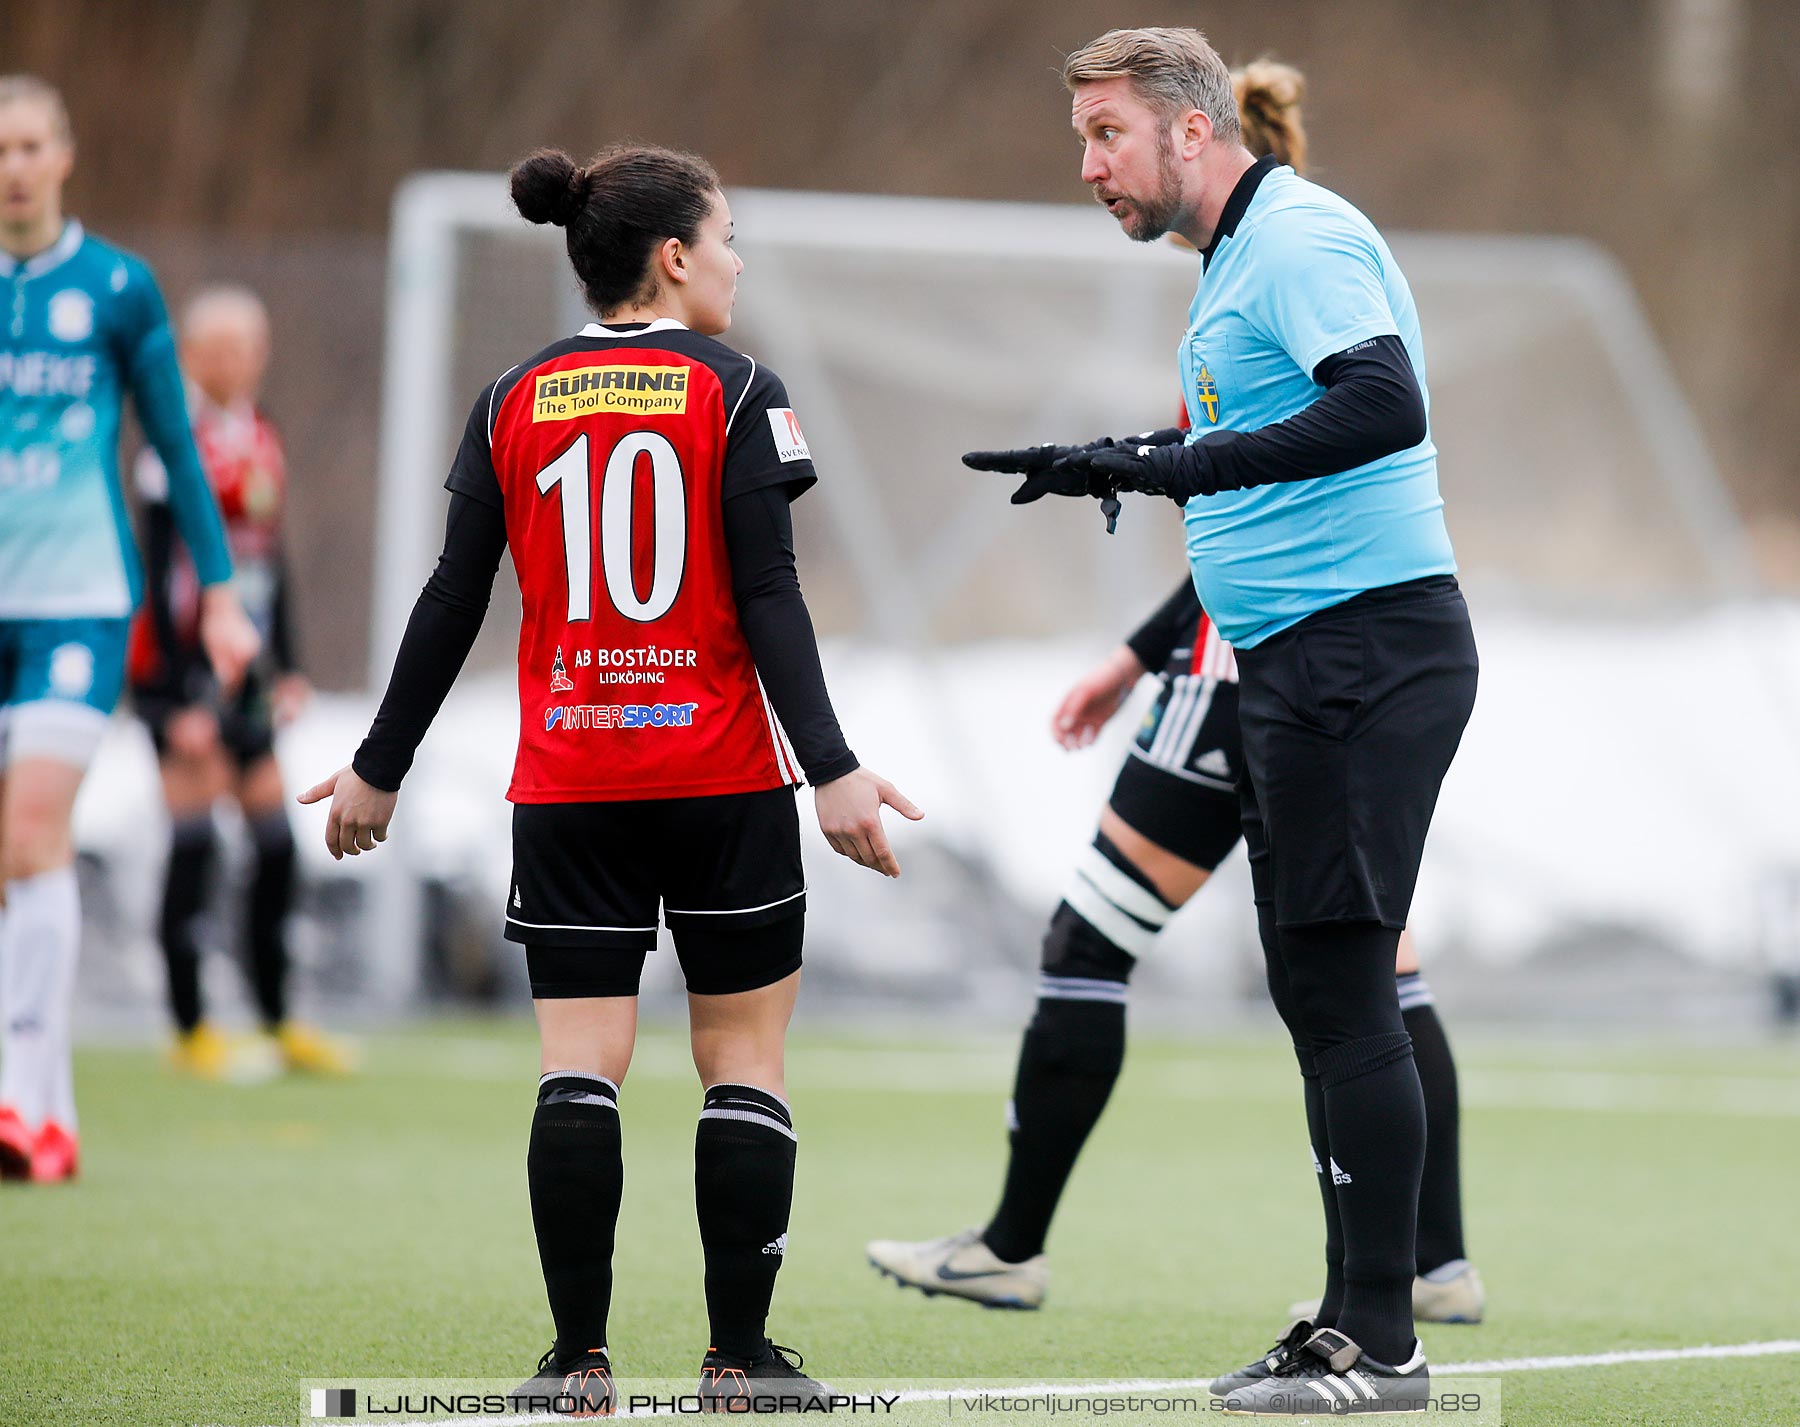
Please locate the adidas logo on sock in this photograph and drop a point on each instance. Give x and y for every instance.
(778, 1248)
(1337, 1175)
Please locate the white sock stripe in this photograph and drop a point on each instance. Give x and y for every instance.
(768, 1121)
(1108, 920)
(748, 1102)
(1125, 893)
(1048, 984)
(1079, 993)
(1415, 991)
(725, 1087)
(545, 1079)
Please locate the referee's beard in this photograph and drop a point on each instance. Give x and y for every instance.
(1146, 220)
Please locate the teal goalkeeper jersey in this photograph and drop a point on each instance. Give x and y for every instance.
(83, 325)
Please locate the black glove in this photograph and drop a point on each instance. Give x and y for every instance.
(1042, 466)
(1179, 472)
(1064, 470)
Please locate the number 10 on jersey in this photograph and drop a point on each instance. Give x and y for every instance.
(573, 475)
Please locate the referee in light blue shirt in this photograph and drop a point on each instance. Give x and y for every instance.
(1316, 537)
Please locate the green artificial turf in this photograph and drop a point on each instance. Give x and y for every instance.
(228, 1243)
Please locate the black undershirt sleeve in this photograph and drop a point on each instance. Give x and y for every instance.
(442, 630)
(1159, 636)
(282, 647)
(1372, 407)
(759, 540)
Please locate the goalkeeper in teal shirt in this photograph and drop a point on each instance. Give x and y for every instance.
(82, 325)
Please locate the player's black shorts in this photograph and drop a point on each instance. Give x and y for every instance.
(588, 879)
(1178, 786)
(246, 719)
(1350, 720)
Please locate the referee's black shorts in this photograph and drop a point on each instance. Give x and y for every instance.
(1350, 719)
(589, 879)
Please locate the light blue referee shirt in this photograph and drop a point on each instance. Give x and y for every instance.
(1296, 275)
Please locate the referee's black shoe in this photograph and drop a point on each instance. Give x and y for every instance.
(1285, 1352)
(1331, 1374)
(577, 1386)
(770, 1382)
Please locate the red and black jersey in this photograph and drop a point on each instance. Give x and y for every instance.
(246, 466)
(610, 455)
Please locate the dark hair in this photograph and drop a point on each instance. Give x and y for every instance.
(618, 210)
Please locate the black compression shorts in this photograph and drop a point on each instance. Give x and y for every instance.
(1350, 720)
(589, 879)
(246, 719)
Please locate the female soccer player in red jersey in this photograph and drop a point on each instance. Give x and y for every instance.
(640, 472)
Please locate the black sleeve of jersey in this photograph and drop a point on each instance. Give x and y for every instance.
(763, 445)
(1159, 636)
(1372, 407)
(283, 650)
(438, 638)
(183, 676)
(759, 539)
(472, 472)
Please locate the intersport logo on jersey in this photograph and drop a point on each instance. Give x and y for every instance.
(586, 391)
(584, 716)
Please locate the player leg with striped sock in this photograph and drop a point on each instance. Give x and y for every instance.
(1123, 892)
(575, 1169)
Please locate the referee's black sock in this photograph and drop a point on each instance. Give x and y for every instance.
(743, 1189)
(1074, 1047)
(1440, 1188)
(191, 852)
(1341, 978)
(576, 1175)
(1331, 1302)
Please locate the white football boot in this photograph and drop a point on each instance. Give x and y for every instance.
(961, 1266)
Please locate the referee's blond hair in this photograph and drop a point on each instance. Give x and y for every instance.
(1172, 69)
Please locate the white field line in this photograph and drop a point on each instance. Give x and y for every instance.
(987, 1072)
(1777, 1348)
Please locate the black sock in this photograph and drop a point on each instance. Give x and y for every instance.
(1331, 1302)
(576, 1176)
(1377, 1126)
(1318, 1134)
(185, 886)
(271, 896)
(1340, 980)
(1074, 1047)
(743, 1189)
(1068, 1064)
(1440, 1188)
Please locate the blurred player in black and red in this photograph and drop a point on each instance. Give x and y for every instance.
(1172, 818)
(208, 745)
(640, 472)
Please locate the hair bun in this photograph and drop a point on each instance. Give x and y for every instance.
(547, 187)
